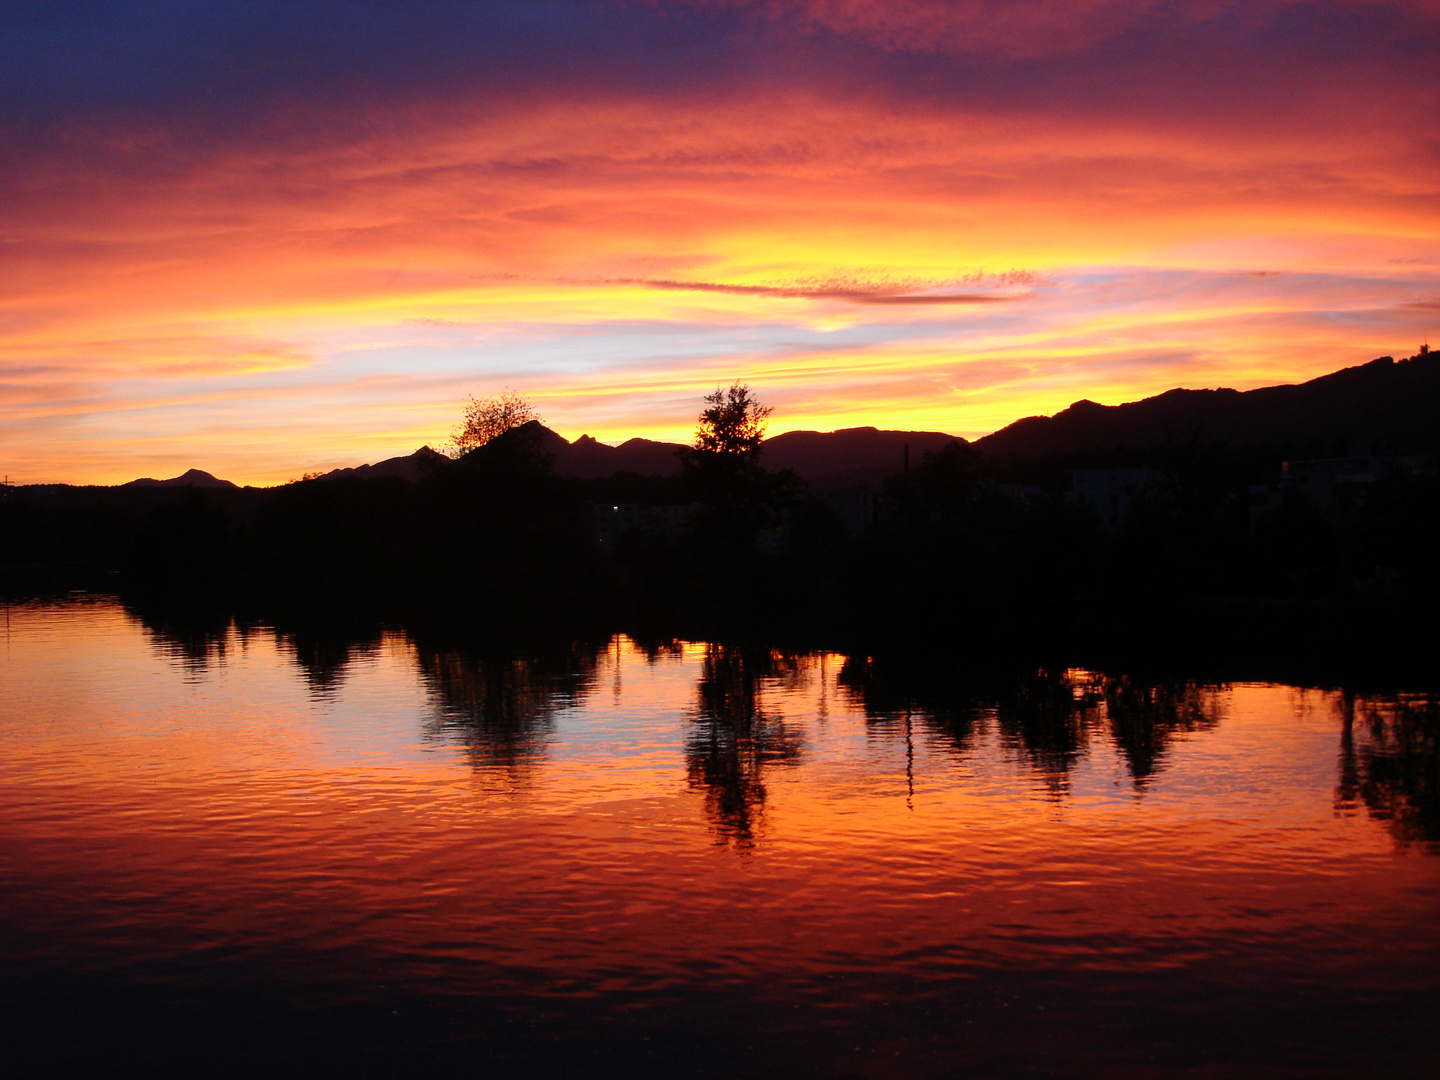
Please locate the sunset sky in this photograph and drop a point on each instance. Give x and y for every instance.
(266, 238)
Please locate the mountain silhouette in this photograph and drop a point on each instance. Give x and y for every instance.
(1385, 406)
(411, 467)
(589, 459)
(196, 478)
(848, 456)
(585, 458)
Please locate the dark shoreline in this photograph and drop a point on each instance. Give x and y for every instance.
(1183, 566)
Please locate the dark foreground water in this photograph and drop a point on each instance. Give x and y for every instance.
(246, 853)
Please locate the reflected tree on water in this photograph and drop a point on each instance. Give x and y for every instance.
(194, 638)
(1047, 716)
(1145, 718)
(1039, 713)
(501, 707)
(1390, 761)
(655, 649)
(325, 653)
(198, 638)
(734, 739)
(935, 696)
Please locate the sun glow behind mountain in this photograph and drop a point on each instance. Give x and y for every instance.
(260, 241)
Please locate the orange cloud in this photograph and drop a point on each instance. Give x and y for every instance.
(274, 302)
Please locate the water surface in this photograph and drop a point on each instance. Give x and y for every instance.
(230, 848)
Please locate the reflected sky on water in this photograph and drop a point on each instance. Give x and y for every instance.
(587, 851)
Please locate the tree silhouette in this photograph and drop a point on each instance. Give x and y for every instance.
(732, 424)
(723, 474)
(489, 417)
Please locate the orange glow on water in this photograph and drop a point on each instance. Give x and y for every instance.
(602, 841)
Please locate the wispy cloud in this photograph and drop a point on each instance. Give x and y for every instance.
(265, 232)
(1002, 289)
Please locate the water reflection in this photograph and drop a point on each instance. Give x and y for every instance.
(502, 707)
(1047, 717)
(1146, 718)
(1390, 761)
(307, 875)
(735, 737)
(199, 639)
(892, 699)
(1044, 717)
(195, 639)
(655, 649)
(325, 655)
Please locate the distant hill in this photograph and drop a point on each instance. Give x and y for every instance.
(1385, 406)
(196, 478)
(585, 458)
(410, 467)
(589, 459)
(850, 455)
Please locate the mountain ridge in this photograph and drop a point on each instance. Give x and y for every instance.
(1385, 405)
(197, 478)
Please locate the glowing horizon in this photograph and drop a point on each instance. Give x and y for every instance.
(226, 251)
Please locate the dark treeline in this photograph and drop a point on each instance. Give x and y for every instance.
(1184, 550)
(1181, 551)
